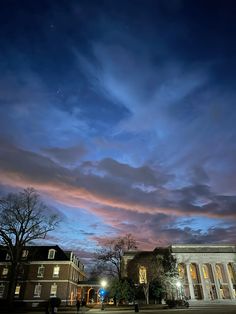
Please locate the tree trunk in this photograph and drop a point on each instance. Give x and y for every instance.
(146, 292)
(12, 283)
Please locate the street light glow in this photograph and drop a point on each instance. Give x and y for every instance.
(103, 283)
(178, 284)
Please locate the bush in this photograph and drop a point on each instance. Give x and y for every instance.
(177, 303)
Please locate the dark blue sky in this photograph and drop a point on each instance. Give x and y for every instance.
(122, 115)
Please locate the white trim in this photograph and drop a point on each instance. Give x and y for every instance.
(52, 280)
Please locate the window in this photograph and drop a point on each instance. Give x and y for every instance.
(25, 253)
(4, 271)
(181, 271)
(8, 257)
(193, 271)
(17, 291)
(142, 274)
(37, 290)
(40, 271)
(205, 271)
(51, 254)
(56, 271)
(53, 291)
(2, 288)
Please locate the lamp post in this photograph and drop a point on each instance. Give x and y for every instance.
(179, 292)
(102, 292)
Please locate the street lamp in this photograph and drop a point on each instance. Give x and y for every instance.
(102, 292)
(179, 292)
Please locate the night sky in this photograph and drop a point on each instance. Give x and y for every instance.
(122, 115)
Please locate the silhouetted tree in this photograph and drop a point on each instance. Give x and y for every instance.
(110, 255)
(23, 218)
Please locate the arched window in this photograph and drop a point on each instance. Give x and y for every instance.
(181, 271)
(205, 271)
(51, 254)
(218, 272)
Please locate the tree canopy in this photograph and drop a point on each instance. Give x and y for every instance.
(23, 218)
(110, 254)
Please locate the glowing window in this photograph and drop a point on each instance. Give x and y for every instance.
(205, 271)
(231, 273)
(218, 272)
(181, 270)
(142, 274)
(5, 271)
(56, 271)
(193, 271)
(17, 290)
(53, 291)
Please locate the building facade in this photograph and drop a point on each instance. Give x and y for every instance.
(46, 271)
(206, 272)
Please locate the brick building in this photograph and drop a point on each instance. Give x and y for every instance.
(47, 271)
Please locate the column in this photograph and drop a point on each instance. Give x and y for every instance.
(216, 282)
(204, 289)
(190, 282)
(230, 285)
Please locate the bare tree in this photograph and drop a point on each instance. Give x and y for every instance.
(110, 255)
(23, 218)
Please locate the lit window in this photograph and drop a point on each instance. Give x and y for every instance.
(25, 253)
(142, 274)
(51, 254)
(2, 288)
(5, 271)
(231, 273)
(8, 257)
(205, 272)
(37, 290)
(40, 271)
(181, 271)
(53, 291)
(218, 272)
(56, 271)
(17, 290)
(193, 271)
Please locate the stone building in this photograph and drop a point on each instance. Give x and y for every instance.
(47, 271)
(206, 272)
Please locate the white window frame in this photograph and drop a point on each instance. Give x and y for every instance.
(40, 272)
(37, 290)
(56, 271)
(8, 257)
(53, 290)
(51, 254)
(2, 289)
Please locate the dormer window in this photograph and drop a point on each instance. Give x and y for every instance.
(8, 257)
(51, 254)
(25, 253)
